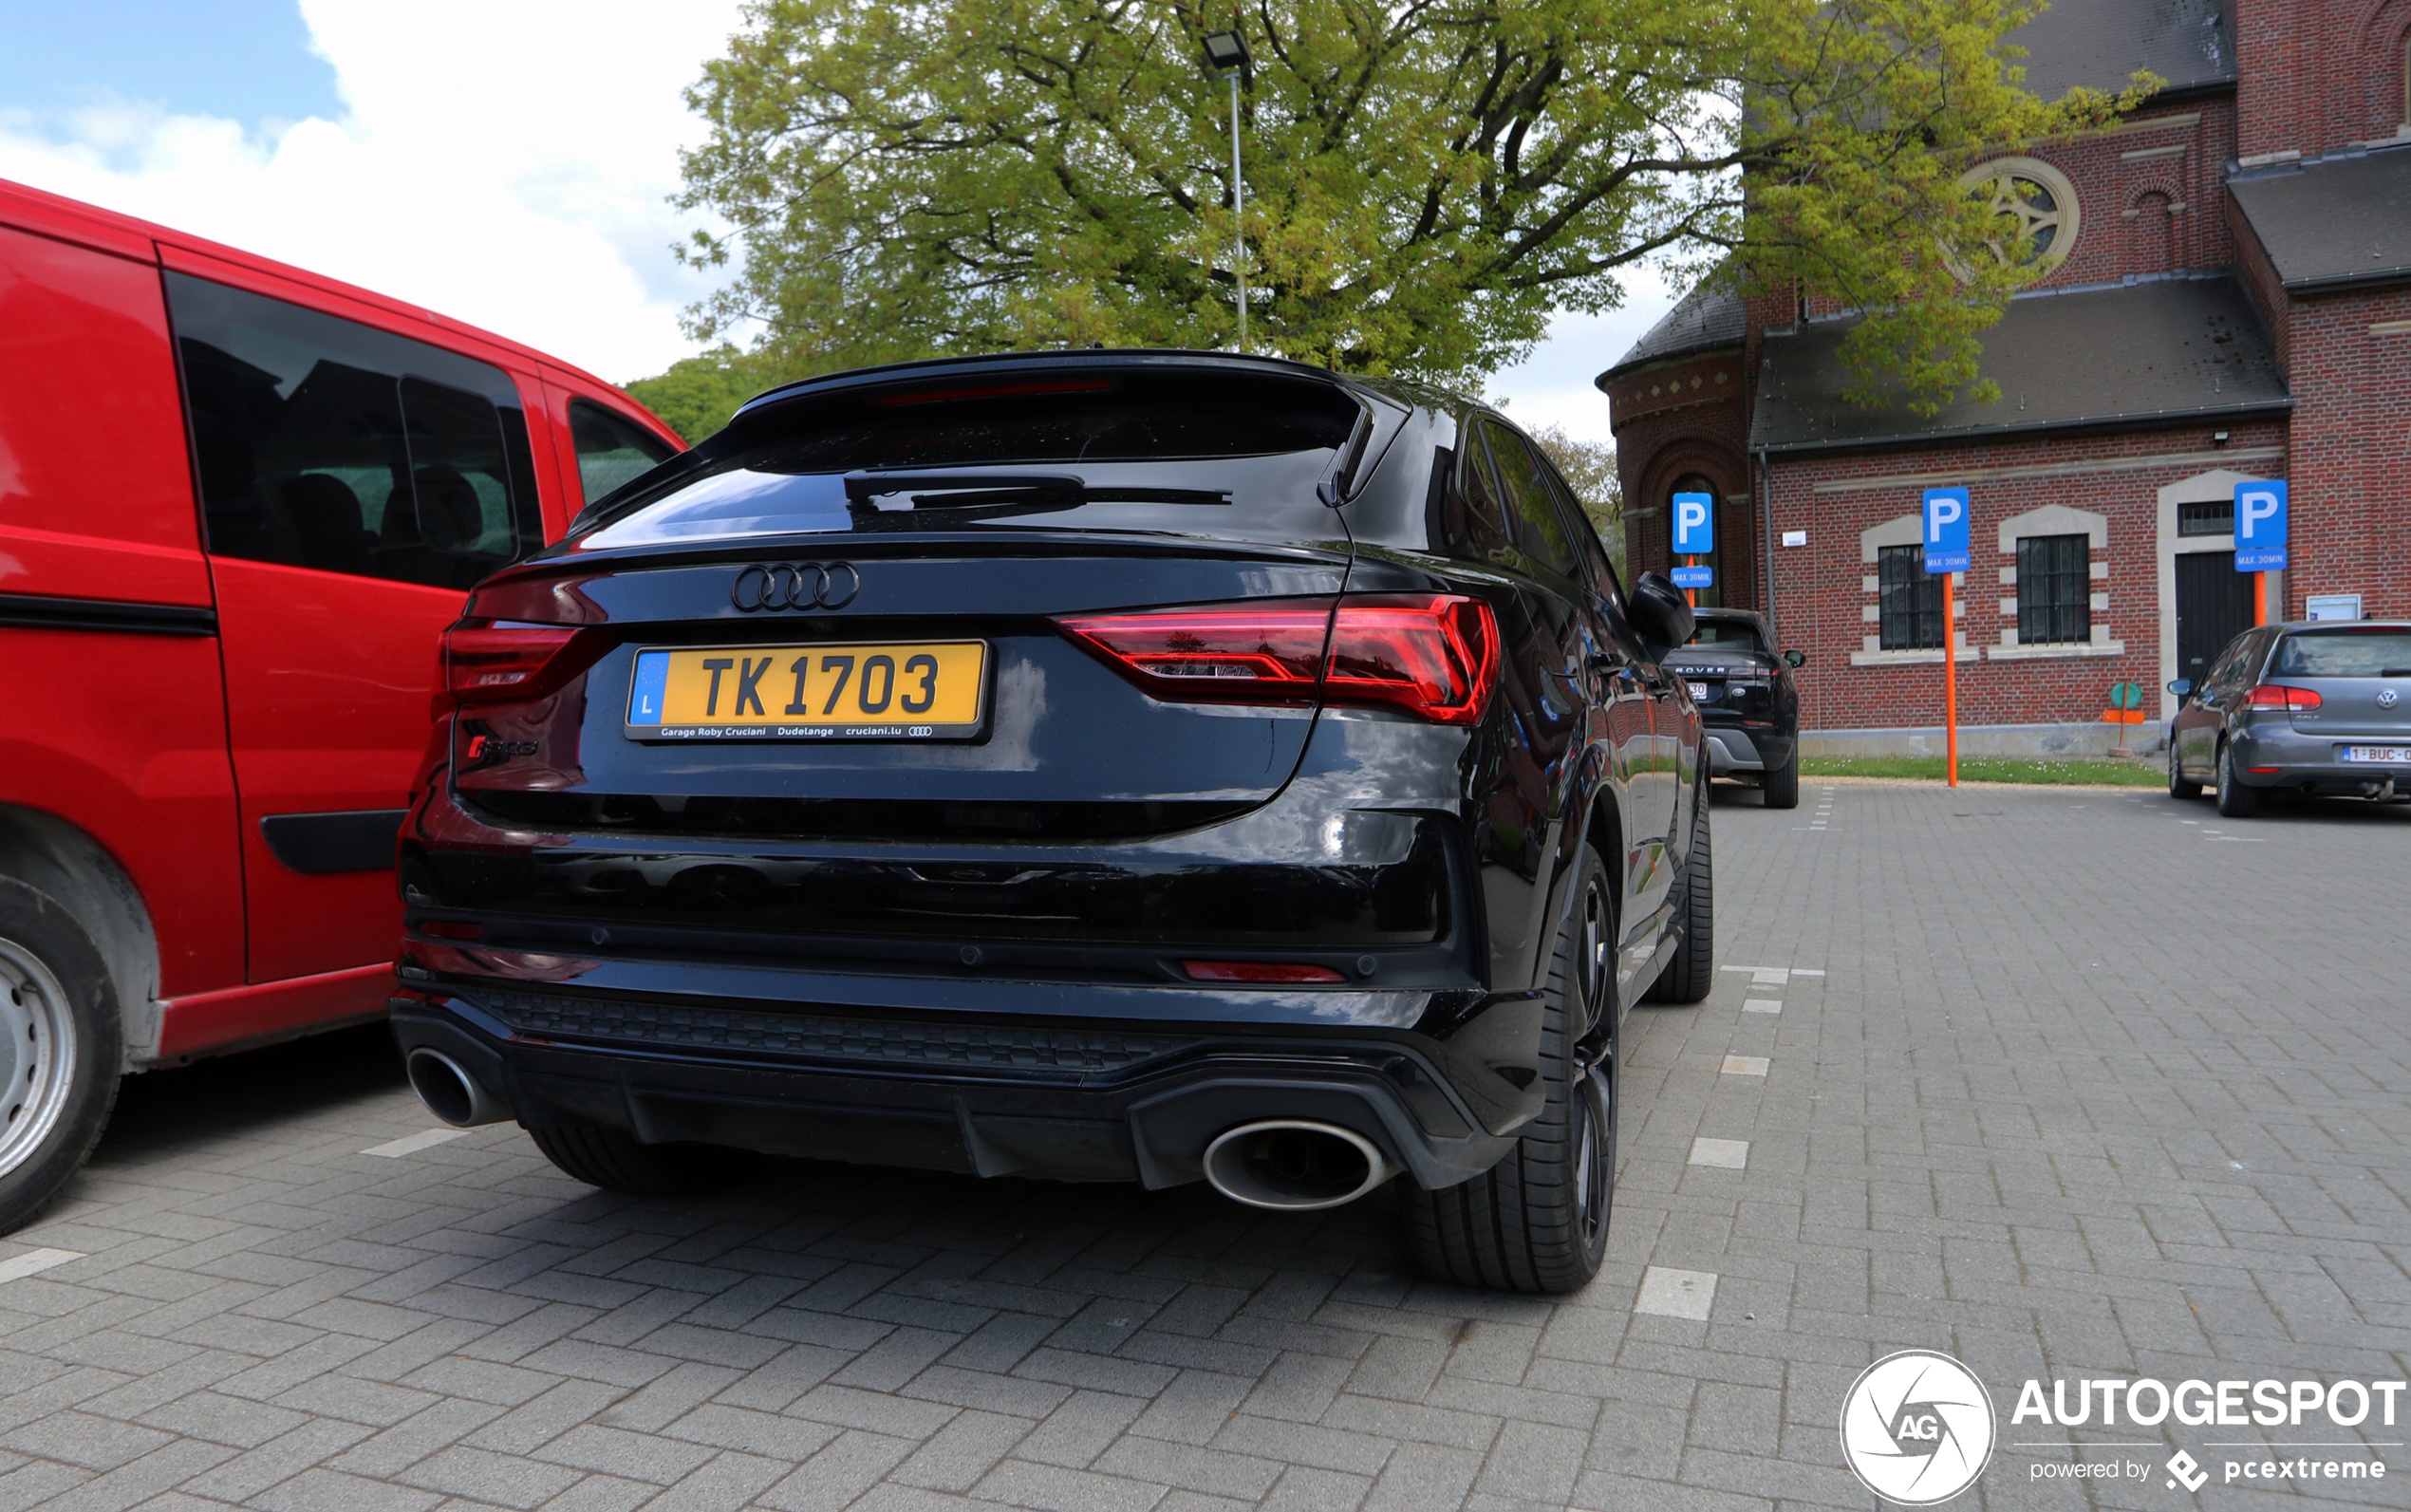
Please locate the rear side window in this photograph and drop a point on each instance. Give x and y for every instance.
(1539, 523)
(1193, 453)
(611, 450)
(2344, 654)
(325, 443)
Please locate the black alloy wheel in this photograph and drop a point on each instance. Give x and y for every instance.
(2179, 785)
(1538, 1221)
(2235, 801)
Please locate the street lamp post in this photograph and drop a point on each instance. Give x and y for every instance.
(1227, 52)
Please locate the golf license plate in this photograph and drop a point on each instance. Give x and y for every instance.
(910, 690)
(2393, 756)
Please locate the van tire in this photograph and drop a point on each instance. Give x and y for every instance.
(59, 1013)
(1537, 1221)
(617, 1160)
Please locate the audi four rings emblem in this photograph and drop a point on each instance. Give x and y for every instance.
(796, 585)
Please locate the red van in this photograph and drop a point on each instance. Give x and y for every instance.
(238, 505)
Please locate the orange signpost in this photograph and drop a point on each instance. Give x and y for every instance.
(2260, 598)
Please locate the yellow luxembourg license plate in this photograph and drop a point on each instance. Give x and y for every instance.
(920, 690)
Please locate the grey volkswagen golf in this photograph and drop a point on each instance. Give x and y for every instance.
(2311, 708)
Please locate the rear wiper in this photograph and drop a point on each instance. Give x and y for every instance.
(957, 491)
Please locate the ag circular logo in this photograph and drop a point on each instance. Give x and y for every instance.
(1917, 1427)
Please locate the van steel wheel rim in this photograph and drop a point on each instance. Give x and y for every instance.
(37, 1053)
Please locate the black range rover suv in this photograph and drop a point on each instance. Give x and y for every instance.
(1111, 766)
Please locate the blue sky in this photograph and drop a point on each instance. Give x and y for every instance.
(283, 132)
(249, 61)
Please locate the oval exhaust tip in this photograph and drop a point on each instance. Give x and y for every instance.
(1295, 1166)
(450, 1093)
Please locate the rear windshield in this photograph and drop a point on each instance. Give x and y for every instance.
(1186, 453)
(1727, 635)
(2344, 654)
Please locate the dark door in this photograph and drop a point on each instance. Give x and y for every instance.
(2213, 606)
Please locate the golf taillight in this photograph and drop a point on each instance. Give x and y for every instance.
(2276, 696)
(1433, 655)
(500, 659)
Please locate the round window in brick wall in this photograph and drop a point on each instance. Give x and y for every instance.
(2037, 201)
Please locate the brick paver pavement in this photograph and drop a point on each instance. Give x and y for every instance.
(2091, 1083)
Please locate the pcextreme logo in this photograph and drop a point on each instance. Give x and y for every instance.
(1917, 1427)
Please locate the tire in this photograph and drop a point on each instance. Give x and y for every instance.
(59, 1048)
(617, 1160)
(2179, 786)
(1783, 783)
(1536, 1222)
(2236, 801)
(1693, 971)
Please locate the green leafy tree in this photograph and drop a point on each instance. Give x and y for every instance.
(1426, 179)
(699, 394)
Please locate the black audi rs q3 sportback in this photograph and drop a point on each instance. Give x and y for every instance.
(1102, 766)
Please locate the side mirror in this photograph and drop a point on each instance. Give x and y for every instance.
(1661, 614)
(1795, 659)
(2183, 688)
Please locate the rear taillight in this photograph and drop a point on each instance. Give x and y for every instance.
(486, 660)
(1261, 653)
(2274, 695)
(1433, 655)
(1258, 972)
(1430, 654)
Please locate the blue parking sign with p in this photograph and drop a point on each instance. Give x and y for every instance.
(2260, 526)
(1695, 524)
(1946, 530)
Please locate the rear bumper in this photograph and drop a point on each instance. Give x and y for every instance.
(1733, 749)
(2312, 763)
(1073, 1101)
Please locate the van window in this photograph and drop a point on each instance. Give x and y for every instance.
(325, 443)
(610, 450)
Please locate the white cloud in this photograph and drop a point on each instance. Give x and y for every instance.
(505, 163)
(1553, 385)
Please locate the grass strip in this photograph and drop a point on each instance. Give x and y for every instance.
(1990, 768)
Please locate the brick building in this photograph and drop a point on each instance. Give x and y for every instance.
(2233, 301)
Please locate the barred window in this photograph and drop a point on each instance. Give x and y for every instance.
(2054, 590)
(1909, 613)
(2210, 518)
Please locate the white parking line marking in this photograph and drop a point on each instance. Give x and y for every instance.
(413, 1143)
(1761, 1005)
(1676, 1294)
(1769, 976)
(1728, 1154)
(1744, 1066)
(34, 1261)
(1803, 971)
